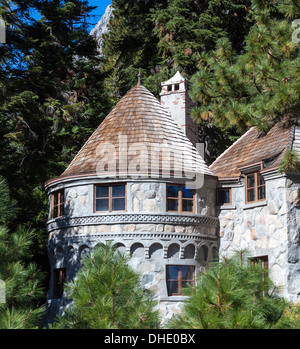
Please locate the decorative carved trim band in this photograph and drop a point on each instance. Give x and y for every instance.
(131, 236)
(123, 218)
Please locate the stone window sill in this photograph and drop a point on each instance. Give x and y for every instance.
(226, 207)
(255, 204)
(174, 298)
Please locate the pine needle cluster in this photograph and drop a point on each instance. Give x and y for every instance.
(232, 294)
(21, 279)
(107, 294)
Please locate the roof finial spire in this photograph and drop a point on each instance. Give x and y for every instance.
(139, 78)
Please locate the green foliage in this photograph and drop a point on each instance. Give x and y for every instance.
(290, 318)
(256, 87)
(232, 294)
(290, 162)
(187, 28)
(107, 294)
(160, 37)
(23, 279)
(52, 98)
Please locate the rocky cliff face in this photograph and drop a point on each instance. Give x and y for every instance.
(102, 26)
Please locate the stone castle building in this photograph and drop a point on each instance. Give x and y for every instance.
(140, 182)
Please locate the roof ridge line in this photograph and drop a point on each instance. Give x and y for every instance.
(232, 145)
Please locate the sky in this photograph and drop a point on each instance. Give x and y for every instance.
(98, 12)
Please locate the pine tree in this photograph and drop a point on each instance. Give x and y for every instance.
(232, 294)
(107, 294)
(257, 87)
(187, 28)
(22, 279)
(51, 99)
(160, 37)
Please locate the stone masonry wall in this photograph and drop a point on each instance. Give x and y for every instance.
(265, 229)
(261, 228)
(153, 237)
(293, 222)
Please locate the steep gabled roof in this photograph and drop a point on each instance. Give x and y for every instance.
(254, 147)
(137, 123)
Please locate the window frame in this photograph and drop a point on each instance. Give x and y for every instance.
(59, 282)
(217, 197)
(256, 187)
(180, 198)
(58, 205)
(179, 279)
(110, 197)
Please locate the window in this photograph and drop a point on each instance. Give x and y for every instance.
(223, 197)
(169, 88)
(255, 187)
(263, 260)
(176, 87)
(110, 198)
(59, 277)
(179, 276)
(58, 204)
(180, 199)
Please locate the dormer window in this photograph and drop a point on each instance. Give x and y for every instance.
(255, 187)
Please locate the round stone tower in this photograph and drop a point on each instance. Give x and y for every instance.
(138, 181)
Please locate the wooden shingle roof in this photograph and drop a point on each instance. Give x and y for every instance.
(141, 126)
(254, 147)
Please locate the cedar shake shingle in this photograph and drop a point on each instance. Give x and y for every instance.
(254, 147)
(147, 125)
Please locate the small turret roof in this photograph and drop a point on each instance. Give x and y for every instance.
(174, 79)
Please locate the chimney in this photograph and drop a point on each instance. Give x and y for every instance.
(175, 99)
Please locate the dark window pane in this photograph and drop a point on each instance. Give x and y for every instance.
(55, 198)
(179, 276)
(260, 179)
(62, 210)
(59, 280)
(223, 196)
(251, 181)
(172, 287)
(187, 273)
(250, 195)
(187, 193)
(62, 198)
(172, 191)
(55, 211)
(261, 193)
(172, 205)
(102, 205)
(187, 205)
(169, 88)
(118, 204)
(102, 191)
(176, 87)
(118, 191)
(172, 272)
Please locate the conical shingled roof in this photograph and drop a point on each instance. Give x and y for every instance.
(140, 126)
